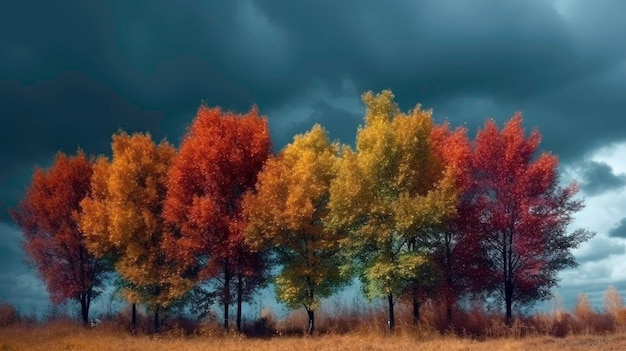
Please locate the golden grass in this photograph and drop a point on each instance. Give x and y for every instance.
(67, 336)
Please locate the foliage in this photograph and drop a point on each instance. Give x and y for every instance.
(415, 210)
(53, 242)
(452, 251)
(287, 214)
(8, 314)
(518, 215)
(388, 193)
(613, 302)
(122, 218)
(218, 162)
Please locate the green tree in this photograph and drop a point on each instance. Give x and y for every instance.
(387, 193)
(286, 214)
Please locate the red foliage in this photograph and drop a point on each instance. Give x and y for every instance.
(453, 252)
(217, 164)
(52, 241)
(516, 216)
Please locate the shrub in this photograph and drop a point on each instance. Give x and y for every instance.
(8, 314)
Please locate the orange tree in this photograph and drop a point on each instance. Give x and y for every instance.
(53, 242)
(217, 164)
(122, 219)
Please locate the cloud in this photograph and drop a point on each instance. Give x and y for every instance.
(19, 285)
(619, 230)
(598, 249)
(598, 177)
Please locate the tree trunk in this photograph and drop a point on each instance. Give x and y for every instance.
(508, 298)
(226, 305)
(416, 310)
(84, 307)
(226, 294)
(311, 314)
(392, 318)
(133, 322)
(239, 300)
(449, 312)
(156, 320)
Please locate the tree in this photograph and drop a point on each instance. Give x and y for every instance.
(217, 164)
(583, 311)
(389, 193)
(287, 214)
(53, 242)
(452, 252)
(122, 219)
(519, 215)
(613, 302)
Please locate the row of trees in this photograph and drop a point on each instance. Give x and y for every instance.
(415, 210)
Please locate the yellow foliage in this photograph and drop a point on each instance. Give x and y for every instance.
(287, 213)
(393, 187)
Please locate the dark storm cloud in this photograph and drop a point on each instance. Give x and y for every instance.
(73, 73)
(18, 283)
(598, 177)
(553, 64)
(619, 230)
(340, 120)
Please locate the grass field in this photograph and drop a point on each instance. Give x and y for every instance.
(339, 328)
(67, 336)
(78, 338)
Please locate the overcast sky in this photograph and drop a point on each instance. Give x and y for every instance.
(73, 72)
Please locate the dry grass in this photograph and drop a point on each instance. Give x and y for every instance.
(67, 336)
(339, 327)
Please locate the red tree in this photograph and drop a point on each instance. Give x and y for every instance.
(452, 251)
(52, 241)
(217, 164)
(517, 215)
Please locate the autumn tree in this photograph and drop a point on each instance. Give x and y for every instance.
(520, 215)
(613, 302)
(122, 219)
(287, 214)
(452, 252)
(217, 164)
(387, 194)
(583, 311)
(53, 242)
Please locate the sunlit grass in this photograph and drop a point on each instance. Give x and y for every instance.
(68, 336)
(339, 327)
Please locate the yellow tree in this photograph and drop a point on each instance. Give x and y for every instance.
(286, 214)
(387, 194)
(122, 219)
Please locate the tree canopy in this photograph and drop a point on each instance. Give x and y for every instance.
(218, 162)
(287, 214)
(416, 210)
(387, 193)
(53, 242)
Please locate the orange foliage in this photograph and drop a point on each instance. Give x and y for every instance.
(217, 164)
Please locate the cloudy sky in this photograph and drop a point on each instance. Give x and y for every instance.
(73, 72)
